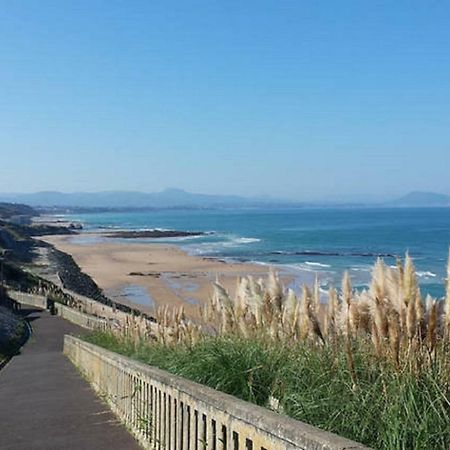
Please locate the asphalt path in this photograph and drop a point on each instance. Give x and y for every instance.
(44, 401)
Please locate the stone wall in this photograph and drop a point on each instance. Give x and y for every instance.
(40, 301)
(81, 319)
(72, 315)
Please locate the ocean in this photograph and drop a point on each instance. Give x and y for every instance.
(306, 242)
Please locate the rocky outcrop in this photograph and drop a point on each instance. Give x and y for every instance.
(153, 234)
(74, 279)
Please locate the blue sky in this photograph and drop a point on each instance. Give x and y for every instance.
(298, 99)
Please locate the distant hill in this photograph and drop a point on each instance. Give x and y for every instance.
(169, 198)
(178, 198)
(12, 210)
(422, 199)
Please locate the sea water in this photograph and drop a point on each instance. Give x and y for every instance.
(305, 241)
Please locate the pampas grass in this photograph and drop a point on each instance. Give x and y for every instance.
(372, 365)
(390, 319)
(391, 315)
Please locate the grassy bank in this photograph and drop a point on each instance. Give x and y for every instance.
(371, 365)
(388, 408)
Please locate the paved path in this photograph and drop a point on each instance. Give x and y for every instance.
(46, 404)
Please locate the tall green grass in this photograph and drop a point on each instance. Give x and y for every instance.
(371, 365)
(389, 408)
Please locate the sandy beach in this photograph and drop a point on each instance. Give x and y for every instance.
(149, 275)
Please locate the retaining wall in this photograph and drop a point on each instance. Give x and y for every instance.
(164, 411)
(81, 319)
(24, 298)
(70, 314)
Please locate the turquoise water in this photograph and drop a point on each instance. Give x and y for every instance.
(305, 241)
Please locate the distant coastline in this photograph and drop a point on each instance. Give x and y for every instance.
(303, 243)
(115, 201)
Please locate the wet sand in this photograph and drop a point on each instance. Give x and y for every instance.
(149, 275)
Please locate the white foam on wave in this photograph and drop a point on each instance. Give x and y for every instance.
(304, 267)
(217, 247)
(244, 240)
(179, 238)
(361, 269)
(426, 274)
(419, 273)
(316, 264)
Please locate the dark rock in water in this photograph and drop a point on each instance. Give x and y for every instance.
(146, 274)
(75, 226)
(345, 254)
(153, 234)
(48, 230)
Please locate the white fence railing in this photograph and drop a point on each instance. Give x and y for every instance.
(164, 411)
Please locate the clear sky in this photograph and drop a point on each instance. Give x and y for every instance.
(295, 99)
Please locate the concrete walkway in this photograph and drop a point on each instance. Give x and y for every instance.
(46, 404)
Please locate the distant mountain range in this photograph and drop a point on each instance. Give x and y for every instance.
(422, 199)
(178, 198)
(169, 198)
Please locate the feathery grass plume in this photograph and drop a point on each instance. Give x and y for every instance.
(179, 322)
(412, 325)
(347, 294)
(289, 314)
(376, 339)
(400, 270)
(256, 298)
(377, 285)
(354, 315)
(380, 317)
(314, 324)
(401, 304)
(332, 312)
(241, 296)
(316, 294)
(275, 291)
(224, 305)
(389, 320)
(364, 312)
(432, 320)
(391, 285)
(409, 280)
(394, 334)
(241, 307)
(296, 321)
(304, 322)
(447, 302)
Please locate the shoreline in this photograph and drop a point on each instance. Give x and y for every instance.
(150, 275)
